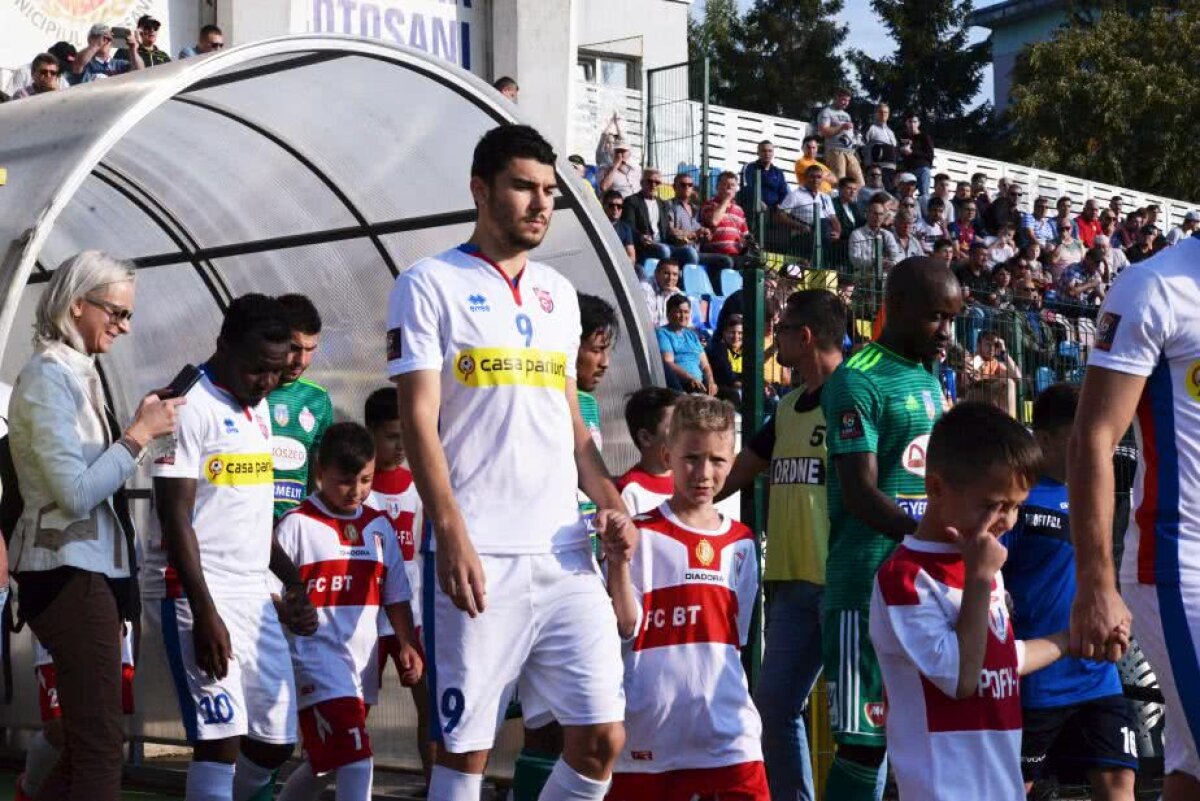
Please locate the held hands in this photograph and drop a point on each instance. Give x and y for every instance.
(412, 664)
(299, 614)
(459, 571)
(618, 535)
(1100, 623)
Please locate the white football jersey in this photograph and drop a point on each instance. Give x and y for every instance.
(644, 492)
(687, 704)
(931, 734)
(505, 351)
(1150, 326)
(226, 448)
(394, 493)
(352, 567)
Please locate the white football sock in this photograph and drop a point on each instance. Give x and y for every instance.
(354, 780)
(566, 784)
(303, 785)
(450, 785)
(209, 781)
(40, 759)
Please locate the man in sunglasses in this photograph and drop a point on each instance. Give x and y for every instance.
(43, 77)
(614, 206)
(211, 39)
(147, 43)
(98, 60)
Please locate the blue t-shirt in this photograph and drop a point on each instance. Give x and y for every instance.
(1040, 576)
(686, 347)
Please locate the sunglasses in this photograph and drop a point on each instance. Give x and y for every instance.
(118, 314)
(615, 205)
(687, 184)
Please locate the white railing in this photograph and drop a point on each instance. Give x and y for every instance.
(733, 137)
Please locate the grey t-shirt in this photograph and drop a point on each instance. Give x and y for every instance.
(834, 116)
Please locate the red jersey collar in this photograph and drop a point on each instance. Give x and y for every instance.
(514, 284)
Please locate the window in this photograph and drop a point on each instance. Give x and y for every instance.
(609, 70)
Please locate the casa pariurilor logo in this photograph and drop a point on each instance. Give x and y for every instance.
(69, 20)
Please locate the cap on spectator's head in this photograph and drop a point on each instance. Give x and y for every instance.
(148, 23)
(978, 244)
(906, 178)
(1192, 216)
(100, 29)
(575, 158)
(619, 143)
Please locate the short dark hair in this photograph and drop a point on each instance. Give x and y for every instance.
(504, 143)
(810, 138)
(976, 175)
(44, 58)
(974, 437)
(675, 301)
(936, 202)
(610, 194)
(813, 169)
(842, 91)
(941, 176)
(210, 29)
(666, 263)
(301, 314)
(942, 242)
(1055, 407)
(382, 406)
(766, 142)
(504, 82)
(880, 197)
(346, 446)
(727, 175)
(1095, 255)
(844, 181)
(596, 315)
(822, 312)
(645, 408)
(255, 316)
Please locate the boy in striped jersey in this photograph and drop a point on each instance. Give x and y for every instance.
(684, 599)
(881, 406)
(350, 563)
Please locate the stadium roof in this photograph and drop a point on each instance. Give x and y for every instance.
(322, 165)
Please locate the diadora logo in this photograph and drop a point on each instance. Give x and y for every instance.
(478, 303)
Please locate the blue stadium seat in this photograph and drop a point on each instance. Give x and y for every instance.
(646, 269)
(1042, 379)
(714, 310)
(698, 316)
(695, 280)
(1069, 353)
(731, 281)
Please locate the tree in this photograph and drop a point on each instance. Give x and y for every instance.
(788, 63)
(935, 71)
(716, 35)
(1113, 101)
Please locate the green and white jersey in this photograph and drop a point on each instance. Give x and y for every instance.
(589, 410)
(877, 402)
(300, 413)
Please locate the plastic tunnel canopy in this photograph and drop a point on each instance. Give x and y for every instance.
(314, 164)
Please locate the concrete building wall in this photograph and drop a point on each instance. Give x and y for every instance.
(653, 30)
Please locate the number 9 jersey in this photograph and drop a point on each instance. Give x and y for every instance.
(505, 350)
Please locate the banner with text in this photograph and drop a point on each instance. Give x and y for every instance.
(454, 30)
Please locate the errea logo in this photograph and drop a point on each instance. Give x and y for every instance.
(478, 303)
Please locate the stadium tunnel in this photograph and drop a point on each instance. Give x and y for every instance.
(314, 164)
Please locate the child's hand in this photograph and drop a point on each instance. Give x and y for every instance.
(982, 553)
(618, 535)
(412, 664)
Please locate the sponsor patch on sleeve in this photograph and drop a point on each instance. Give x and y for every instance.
(393, 344)
(1106, 330)
(851, 425)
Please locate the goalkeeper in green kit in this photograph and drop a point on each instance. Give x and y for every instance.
(300, 409)
(880, 406)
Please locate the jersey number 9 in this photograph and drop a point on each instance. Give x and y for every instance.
(525, 328)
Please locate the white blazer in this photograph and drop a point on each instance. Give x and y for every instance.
(68, 467)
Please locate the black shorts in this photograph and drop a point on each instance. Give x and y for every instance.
(1069, 741)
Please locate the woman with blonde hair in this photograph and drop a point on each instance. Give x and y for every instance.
(72, 551)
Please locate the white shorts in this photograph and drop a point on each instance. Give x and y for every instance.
(257, 697)
(548, 630)
(1166, 623)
